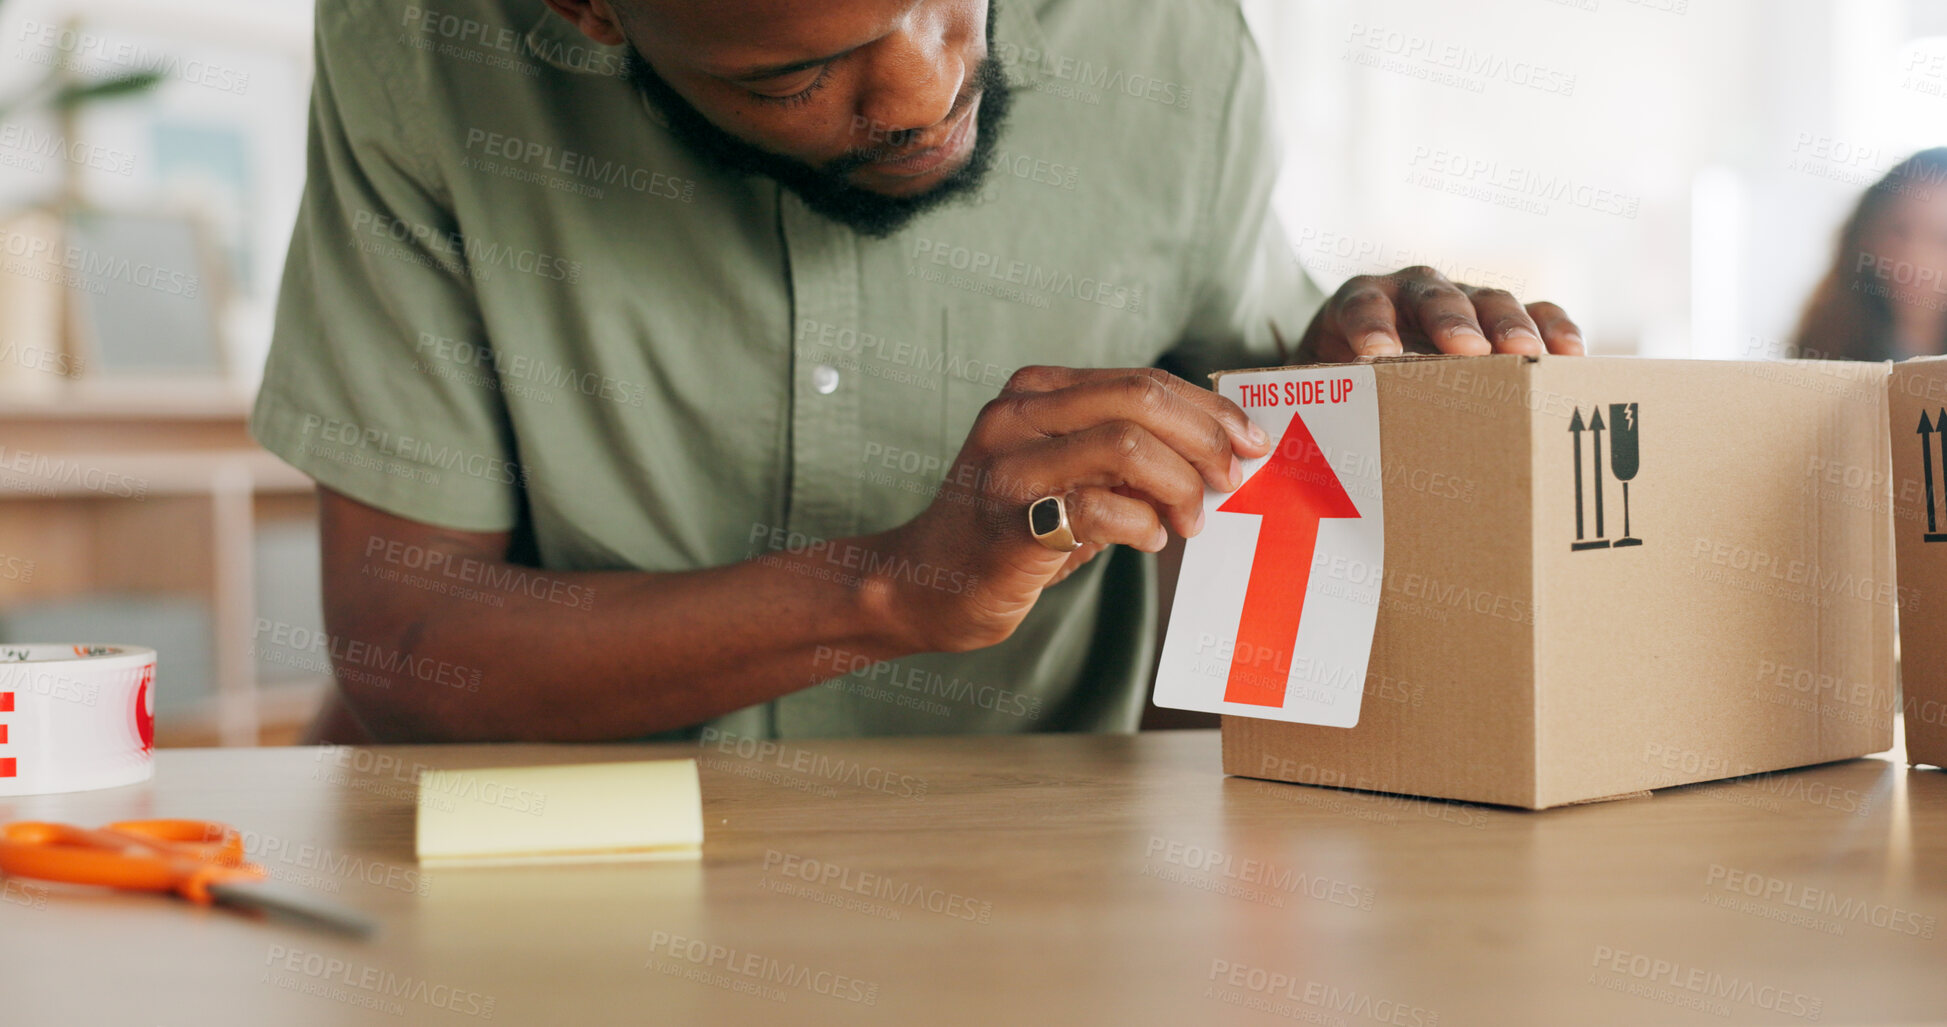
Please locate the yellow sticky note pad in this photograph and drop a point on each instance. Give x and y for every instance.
(586, 813)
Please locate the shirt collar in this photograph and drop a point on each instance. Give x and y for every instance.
(1018, 42)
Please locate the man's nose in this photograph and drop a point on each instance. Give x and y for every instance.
(914, 78)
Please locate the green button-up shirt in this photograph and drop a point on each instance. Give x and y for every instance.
(515, 303)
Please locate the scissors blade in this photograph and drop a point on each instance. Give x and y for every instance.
(276, 899)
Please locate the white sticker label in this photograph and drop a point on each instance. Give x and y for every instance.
(1279, 594)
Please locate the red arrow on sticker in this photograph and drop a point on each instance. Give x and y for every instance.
(1293, 491)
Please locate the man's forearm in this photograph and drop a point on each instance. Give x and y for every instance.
(503, 652)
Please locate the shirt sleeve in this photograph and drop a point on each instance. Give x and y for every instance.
(377, 278)
(1250, 279)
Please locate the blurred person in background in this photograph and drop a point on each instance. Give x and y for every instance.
(1885, 296)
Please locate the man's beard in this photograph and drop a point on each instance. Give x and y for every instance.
(827, 188)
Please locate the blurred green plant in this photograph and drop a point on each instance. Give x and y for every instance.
(58, 92)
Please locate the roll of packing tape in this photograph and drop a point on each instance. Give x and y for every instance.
(75, 717)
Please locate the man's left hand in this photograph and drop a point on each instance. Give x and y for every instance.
(1417, 310)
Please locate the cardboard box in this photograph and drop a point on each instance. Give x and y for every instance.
(1917, 405)
(1567, 615)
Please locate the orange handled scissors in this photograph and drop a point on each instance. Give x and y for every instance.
(200, 860)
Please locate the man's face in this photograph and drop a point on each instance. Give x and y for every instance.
(872, 111)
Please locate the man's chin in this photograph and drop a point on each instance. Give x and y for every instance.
(904, 187)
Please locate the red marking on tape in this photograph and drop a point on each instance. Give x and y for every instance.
(3, 734)
(6, 766)
(6, 702)
(144, 713)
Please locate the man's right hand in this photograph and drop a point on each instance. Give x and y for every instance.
(1130, 450)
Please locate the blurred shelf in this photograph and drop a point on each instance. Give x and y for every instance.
(150, 399)
(134, 474)
(151, 487)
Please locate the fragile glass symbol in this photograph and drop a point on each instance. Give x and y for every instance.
(1625, 459)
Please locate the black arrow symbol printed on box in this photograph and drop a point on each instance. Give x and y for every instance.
(1595, 427)
(1575, 429)
(1927, 431)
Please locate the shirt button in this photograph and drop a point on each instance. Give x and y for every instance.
(824, 378)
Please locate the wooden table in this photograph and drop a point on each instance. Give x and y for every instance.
(1023, 880)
